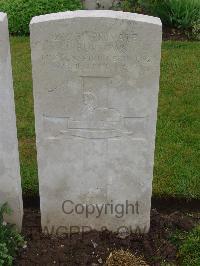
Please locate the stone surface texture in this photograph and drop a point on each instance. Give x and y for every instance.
(10, 181)
(96, 84)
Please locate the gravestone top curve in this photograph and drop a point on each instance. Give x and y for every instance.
(96, 14)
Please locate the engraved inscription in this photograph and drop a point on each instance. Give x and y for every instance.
(90, 41)
(87, 50)
(96, 119)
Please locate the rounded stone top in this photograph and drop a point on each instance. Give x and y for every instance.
(2, 16)
(97, 14)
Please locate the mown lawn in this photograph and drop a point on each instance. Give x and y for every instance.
(188, 244)
(177, 163)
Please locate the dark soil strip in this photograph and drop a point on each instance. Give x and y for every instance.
(31, 202)
(173, 204)
(174, 34)
(161, 204)
(94, 247)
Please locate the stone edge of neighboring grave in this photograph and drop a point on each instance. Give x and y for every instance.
(3, 16)
(96, 14)
(3, 20)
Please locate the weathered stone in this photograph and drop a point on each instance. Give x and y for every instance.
(96, 83)
(10, 182)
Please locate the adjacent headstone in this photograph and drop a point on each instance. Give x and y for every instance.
(100, 4)
(10, 181)
(96, 84)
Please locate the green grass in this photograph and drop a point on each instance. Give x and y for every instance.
(177, 164)
(188, 244)
(21, 62)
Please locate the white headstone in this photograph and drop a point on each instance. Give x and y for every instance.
(96, 84)
(10, 181)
